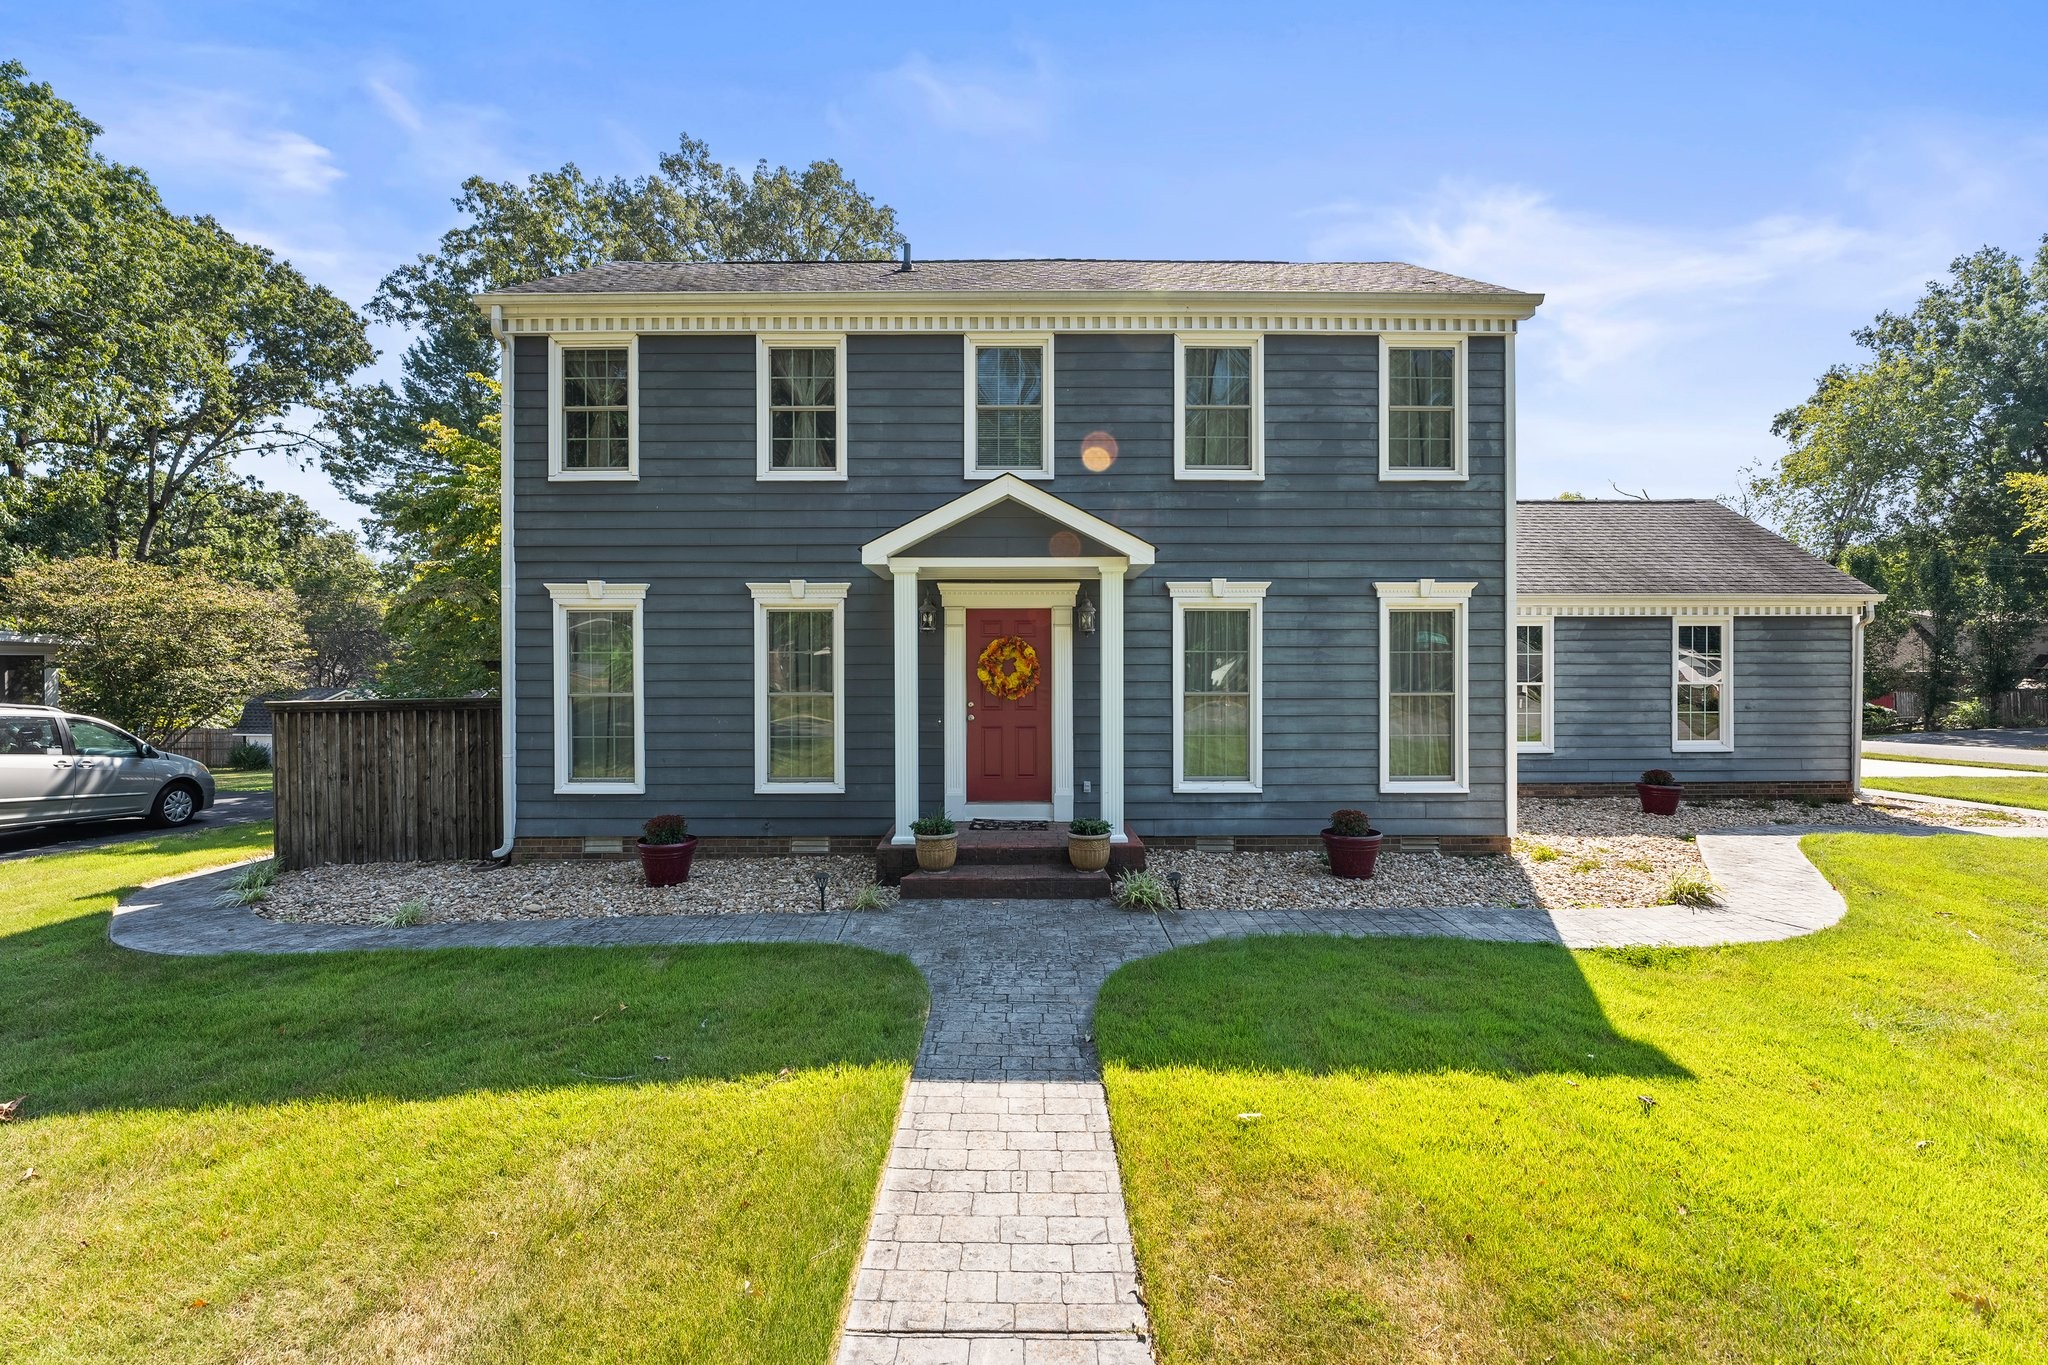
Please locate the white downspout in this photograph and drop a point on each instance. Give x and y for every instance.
(1865, 614)
(508, 673)
(1512, 759)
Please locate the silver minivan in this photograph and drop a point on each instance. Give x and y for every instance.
(56, 767)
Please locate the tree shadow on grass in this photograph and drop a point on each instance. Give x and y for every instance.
(90, 1026)
(1323, 1006)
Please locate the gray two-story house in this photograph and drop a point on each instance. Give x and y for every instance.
(1206, 549)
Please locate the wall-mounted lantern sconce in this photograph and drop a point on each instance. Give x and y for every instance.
(1084, 616)
(928, 613)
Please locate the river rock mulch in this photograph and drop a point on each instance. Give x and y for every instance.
(1571, 854)
(442, 893)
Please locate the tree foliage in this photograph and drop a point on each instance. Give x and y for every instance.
(1925, 470)
(160, 649)
(141, 352)
(443, 526)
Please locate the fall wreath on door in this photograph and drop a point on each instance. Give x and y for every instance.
(1008, 668)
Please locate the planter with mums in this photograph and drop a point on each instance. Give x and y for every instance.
(666, 847)
(1353, 844)
(1659, 792)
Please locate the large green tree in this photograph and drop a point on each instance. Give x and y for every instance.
(143, 353)
(161, 649)
(1921, 469)
(443, 527)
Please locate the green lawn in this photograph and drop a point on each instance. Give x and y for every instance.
(2031, 792)
(244, 779)
(2038, 768)
(1829, 1149)
(661, 1154)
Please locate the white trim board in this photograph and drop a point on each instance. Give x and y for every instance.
(799, 594)
(1536, 604)
(595, 594)
(957, 599)
(1218, 594)
(885, 552)
(556, 434)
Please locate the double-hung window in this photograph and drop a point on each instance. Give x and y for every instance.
(600, 688)
(1422, 408)
(593, 422)
(1424, 691)
(1217, 712)
(1009, 406)
(800, 407)
(1220, 386)
(1700, 678)
(799, 686)
(1533, 697)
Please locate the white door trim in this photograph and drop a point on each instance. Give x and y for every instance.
(1059, 597)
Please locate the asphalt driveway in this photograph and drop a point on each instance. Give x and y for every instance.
(230, 808)
(2017, 744)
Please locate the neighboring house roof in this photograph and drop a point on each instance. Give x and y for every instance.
(256, 718)
(18, 639)
(1686, 546)
(1008, 277)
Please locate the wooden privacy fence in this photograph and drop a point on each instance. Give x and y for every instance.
(387, 781)
(208, 745)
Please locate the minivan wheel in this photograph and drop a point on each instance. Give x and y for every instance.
(175, 805)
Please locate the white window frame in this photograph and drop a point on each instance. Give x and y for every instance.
(1219, 340)
(597, 595)
(1461, 416)
(557, 432)
(1428, 594)
(798, 594)
(1218, 594)
(764, 428)
(1726, 743)
(1548, 625)
(976, 341)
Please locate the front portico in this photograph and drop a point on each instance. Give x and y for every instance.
(939, 555)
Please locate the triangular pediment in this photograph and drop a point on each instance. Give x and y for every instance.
(1007, 518)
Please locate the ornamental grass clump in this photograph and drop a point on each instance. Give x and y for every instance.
(1140, 890)
(251, 886)
(1690, 888)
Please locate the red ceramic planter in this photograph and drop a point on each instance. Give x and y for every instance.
(667, 864)
(1352, 855)
(1659, 800)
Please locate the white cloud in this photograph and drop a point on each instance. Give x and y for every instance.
(444, 141)
(223, 138)
(971, 101)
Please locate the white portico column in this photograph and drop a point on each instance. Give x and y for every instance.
(1113, 701)
(905, 625)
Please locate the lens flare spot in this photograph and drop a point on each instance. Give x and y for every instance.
(1098, 451)
(1063, 545)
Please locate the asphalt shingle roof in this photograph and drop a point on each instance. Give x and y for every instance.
(1690, 546)
(1007, 277)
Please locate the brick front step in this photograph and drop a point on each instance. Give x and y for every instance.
(1005, 882)
(1029, 850)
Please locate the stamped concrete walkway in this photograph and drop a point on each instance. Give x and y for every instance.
(999, 1236)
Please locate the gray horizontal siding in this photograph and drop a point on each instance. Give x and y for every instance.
(697, 526)
(1792, 685)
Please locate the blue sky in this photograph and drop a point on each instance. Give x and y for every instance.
(1712, 197)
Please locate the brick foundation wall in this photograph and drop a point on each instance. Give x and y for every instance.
(893, 861)
(1453, 845)
(1698, 791)
(549, 848)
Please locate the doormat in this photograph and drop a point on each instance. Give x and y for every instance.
(1009, 824)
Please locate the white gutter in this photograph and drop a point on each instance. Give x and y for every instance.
(508, 686)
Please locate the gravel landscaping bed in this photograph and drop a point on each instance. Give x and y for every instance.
(1571, 854)
(440, 893)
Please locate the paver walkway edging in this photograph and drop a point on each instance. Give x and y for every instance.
(999, 1235)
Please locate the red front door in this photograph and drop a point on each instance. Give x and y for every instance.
(1009, 743)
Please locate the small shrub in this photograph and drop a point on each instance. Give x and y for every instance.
(929, 825)
(665, 829)
(1973, 714)
(251, 886)
(1690, 888)
(870, 897)
(1540, 853)
(249, 756)
(1089, 829)
(1879, 720)
(1350, 824)
(1639, 865)
(1659, 777)
(1142, 891)
(409, 915)
(1585, 865)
